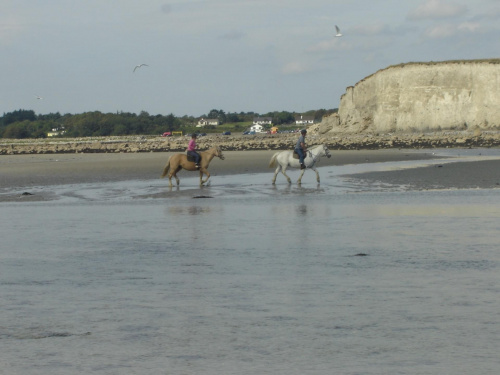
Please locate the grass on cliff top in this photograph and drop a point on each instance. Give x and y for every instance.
(402, 65)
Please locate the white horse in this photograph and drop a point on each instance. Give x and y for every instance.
(285, 159)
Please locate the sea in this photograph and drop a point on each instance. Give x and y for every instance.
(246, 277)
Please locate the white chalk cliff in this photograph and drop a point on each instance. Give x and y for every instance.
(422, 97)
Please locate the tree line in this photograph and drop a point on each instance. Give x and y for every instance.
(27, 124)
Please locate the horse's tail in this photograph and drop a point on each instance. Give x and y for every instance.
(166, 169)
(272, 163)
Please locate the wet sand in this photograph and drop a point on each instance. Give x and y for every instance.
(19, 173)
(458, 175)
(41, 170)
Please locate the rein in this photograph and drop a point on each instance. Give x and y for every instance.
(313, 157)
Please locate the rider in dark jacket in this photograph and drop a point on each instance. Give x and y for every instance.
(300, 148)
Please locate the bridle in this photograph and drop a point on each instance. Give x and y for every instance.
(219, 153)
(315, 158)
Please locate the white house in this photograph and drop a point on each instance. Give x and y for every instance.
(304, 120)
(262, 121)
(258, 128)
(56, 131)
(207, 121)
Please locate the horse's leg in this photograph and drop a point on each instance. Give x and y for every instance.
(283, 171)
(317, 173)
(174, 174)
(201, 177)
(203, 181)
(276, 173)
(299, 181)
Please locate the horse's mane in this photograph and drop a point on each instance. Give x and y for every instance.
(210, 147)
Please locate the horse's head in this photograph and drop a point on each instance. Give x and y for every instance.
(218, 153)
(327, 152)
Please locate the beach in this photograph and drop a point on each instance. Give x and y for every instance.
(389, 265)
(21, 172)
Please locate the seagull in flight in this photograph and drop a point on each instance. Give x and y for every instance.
(338, 31)
(38, 97)
(139, 66)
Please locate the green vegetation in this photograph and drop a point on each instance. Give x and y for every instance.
(26, 124)
(402, 65)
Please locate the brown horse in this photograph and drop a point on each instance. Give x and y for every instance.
(177, 162)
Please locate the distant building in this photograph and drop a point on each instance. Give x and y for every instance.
(207, 121)
(262, 121)
(258, 128)
(56, 131)
(304, 120)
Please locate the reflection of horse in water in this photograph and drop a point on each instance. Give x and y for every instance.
(285, 159)
(177, 162)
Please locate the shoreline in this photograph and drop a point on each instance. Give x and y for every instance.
(23, 172)
(452, 175)
(43, 170)
(257, 142)
(20, 173)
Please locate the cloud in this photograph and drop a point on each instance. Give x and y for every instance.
(373, 29)
(441, 31)
(449, 30)
(469, 26)
(437, 9)
(232, 35)
(381, 29)
(329, 45)
(489, 15)
(166, 8)
(322, 46)
(294, 67)
(10, 29)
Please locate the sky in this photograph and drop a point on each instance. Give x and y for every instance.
(231, 55)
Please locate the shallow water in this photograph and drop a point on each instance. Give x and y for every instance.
(244, 278)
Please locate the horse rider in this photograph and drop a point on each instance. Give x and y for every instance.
(191, 151)
(300, 148)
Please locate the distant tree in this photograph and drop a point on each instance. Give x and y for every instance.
(18, 116)
(17, 130)
(214, 113)
(233, 117)
(172, 122)
(120, 129)
(320, 113)
(218, 114)
(25, 123)
(49, 117)
(280, 118)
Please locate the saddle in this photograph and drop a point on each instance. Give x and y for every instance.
(296, 156)
(190, 158)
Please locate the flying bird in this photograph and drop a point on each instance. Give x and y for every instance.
(338, 31)
(38, 97)
(139, 66)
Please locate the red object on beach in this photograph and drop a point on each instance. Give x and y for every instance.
(166, 134)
